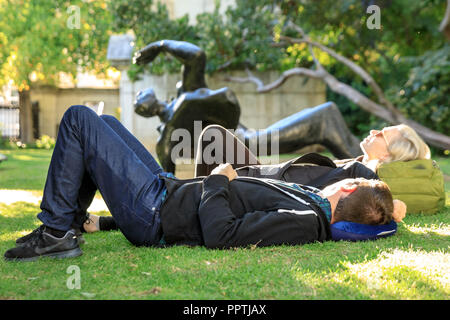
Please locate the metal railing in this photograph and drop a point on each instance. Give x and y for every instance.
(9, 122)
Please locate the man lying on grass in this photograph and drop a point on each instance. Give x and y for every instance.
(151, 208)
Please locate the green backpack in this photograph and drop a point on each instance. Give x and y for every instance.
(418, 183)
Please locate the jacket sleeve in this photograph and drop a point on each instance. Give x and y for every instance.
(358, 170)
(222, 229)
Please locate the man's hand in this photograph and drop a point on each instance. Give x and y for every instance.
(399, 210)
(225, 169)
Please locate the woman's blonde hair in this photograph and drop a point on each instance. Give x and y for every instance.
(408, 146)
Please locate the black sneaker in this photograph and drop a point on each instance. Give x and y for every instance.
(35, 233)
(29, 236)
(43, 244)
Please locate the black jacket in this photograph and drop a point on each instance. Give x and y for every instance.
(217, 213)
(312, 169)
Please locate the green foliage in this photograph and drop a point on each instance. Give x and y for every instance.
(6, 143)
(242, 37)
(239, 38)
(45, 142)
(408, 29)
(150, 22)
(425, 95)
(37, 41)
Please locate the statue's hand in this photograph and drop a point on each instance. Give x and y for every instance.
(149, 53)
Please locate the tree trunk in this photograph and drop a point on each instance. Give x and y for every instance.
(445, 23)
(25, 117)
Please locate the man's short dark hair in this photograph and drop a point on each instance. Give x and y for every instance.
(371, 203)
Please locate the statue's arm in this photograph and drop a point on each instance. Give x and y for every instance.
(192, 57)
(185, 52)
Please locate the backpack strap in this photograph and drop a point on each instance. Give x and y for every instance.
(309, 158)
(315, 158)
(276, 171)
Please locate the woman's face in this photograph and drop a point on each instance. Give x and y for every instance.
(375, 145)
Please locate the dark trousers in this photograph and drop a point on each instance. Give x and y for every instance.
(99, 153)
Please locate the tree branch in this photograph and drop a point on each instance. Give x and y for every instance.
(444, 27)
(261, 88)
(384, 109)
(352, 66)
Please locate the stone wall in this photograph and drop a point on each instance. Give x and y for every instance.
(53, 102)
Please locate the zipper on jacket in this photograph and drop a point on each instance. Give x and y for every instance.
(298, 212)
(267, 182)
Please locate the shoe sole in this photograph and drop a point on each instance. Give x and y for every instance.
(76, 252)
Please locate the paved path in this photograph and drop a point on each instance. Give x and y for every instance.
(10, 196)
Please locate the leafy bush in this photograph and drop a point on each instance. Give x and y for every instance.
(8, 144)
(45, 142)
(425, 96)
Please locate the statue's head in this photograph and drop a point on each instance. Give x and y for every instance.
(146, 103)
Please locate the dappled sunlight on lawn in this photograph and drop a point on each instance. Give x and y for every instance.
(405, 274)
(9, 236)
(392, 274)
(24, 157)
(442, 229)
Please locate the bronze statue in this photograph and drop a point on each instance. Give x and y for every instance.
(323, 124)
(194, 102)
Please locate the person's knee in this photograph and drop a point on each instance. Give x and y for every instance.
(77, 115)
(109, 118)
(77, 110)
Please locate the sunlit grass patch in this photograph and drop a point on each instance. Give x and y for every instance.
(9, 236)
(24, 157)
(441, 229)
(18, 210)
(405, 274)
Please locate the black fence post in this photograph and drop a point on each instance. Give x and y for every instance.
(35, 119)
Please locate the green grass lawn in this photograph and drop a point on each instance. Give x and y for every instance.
(413, 264)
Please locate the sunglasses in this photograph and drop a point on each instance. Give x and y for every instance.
(381, 133)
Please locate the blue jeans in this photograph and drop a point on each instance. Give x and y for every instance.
(91, 153)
